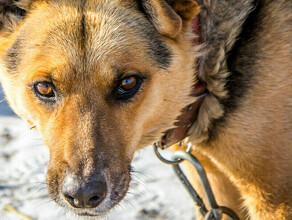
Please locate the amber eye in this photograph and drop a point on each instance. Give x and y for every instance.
(45, 89)
(128, 87)
(128, 83)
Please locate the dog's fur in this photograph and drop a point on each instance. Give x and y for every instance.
(243, 134)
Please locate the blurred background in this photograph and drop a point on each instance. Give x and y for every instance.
(4, 108)
(156, 193)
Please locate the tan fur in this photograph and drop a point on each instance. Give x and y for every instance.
(87, 130)
(253, 148)
(166, 21)
(82, 47)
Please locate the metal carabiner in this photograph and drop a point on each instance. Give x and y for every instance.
(171, 162)
(216, 211)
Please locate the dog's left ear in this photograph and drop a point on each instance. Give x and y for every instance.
(11, 12)
(169, 16)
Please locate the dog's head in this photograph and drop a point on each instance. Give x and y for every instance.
(98, 79)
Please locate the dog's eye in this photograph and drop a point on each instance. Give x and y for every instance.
(128, 83)
(44, 89)
(128, 87)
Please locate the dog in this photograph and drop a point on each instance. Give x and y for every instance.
(101, 79)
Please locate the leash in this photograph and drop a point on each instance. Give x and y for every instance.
(216, 212)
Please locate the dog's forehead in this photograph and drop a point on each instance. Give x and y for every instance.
(102, 34)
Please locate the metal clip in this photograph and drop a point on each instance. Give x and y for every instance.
(171, 162)
(216, 212)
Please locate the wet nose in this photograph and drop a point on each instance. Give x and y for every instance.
(84, 195)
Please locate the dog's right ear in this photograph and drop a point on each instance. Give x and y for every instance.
(169, 16)
(11, 12)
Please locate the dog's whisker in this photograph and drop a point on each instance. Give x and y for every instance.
(141, 177)
(37, 146)
(135, 185)
(120, 206)
(137, 195)
(127, 202)
(143, 174)
(44, 203)
(61, 209)
(38, 191)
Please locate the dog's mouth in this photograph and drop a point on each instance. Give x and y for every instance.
(89, 213)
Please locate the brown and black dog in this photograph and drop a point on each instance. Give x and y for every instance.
(100, 79)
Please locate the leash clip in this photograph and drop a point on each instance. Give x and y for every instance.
(160, 145)
(216, 212)
(156, 147)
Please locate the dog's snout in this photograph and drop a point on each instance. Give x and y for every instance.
(84, 194)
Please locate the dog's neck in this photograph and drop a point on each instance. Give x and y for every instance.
(218, 26)
(189, 114)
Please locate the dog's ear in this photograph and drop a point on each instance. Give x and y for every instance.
(11, 12)
(169, 16)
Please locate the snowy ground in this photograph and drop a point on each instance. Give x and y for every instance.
(23, 159)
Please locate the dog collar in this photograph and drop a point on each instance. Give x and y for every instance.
(185, 120)
(190, 113)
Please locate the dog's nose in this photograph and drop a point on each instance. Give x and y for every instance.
(84, 195)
